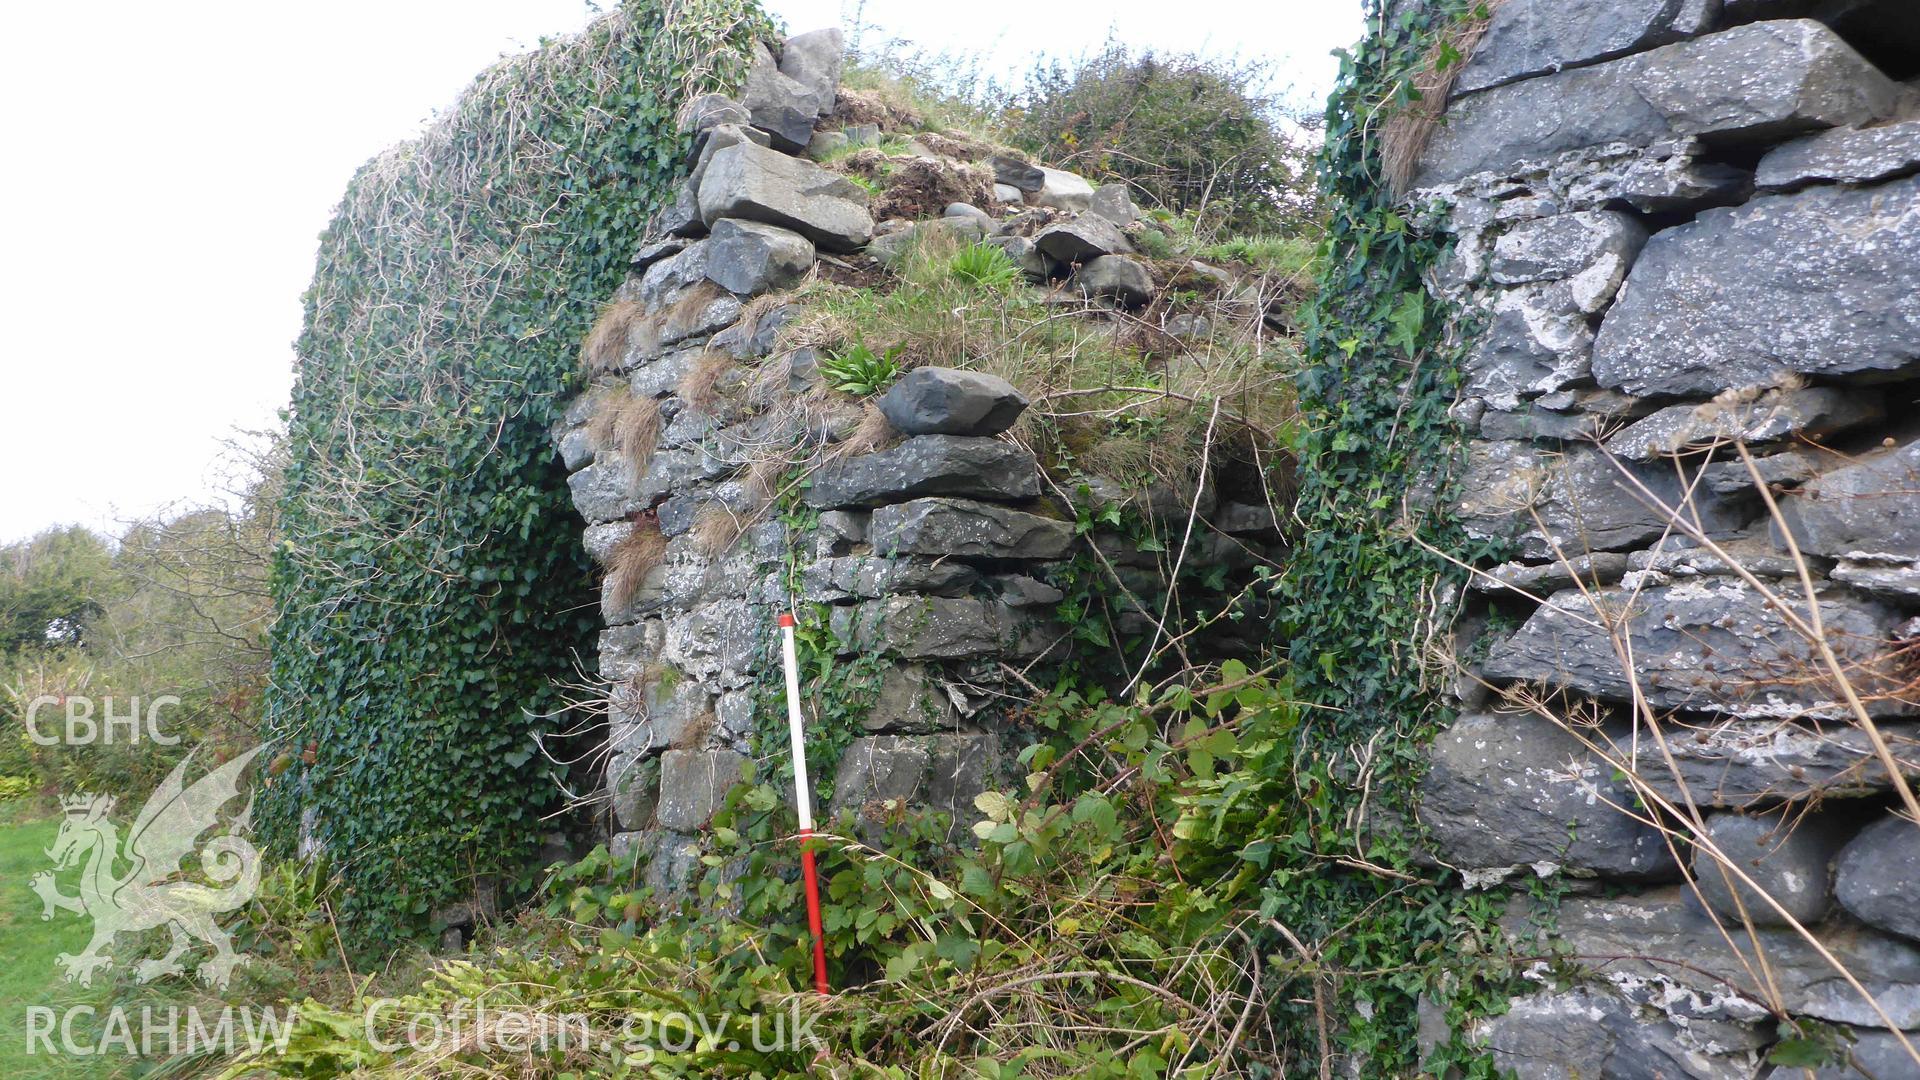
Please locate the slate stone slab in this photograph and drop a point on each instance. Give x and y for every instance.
(938, 773)
(970, 466)
(1842, 156)
(950, 401)
(1712, 645)
(922, 628)
(1757, 82)
(1878, 876)
(1664, 934)
(1512, 788)
(1083, 239)
(782, 106)
(813, 61)
(1829, 284)
(1584, 499)
(1813, 413)
(1120, 278)
(1062, 190)
(870, 576)
(1539, 37)
(1587, 1032)
(1754, 764)
(749, 181)
(966, 529)
(910, 701)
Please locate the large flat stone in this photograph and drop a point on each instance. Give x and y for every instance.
(1587, 1032)
(1565, 504)
(869, 576)
(1812, 413)
(1663, 935)
(965, 529)
(922, 627)
(1763, 81)
(1539, 37)
(1829, 284)
(1712, 645)
(1506, 789)
(974, 467)
(1759, 763)
(750, 181)
(882, 778)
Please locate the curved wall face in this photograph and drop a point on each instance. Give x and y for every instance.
(1685, 230)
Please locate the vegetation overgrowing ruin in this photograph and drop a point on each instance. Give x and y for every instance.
(1264, 608)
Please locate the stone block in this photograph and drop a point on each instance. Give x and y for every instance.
(966, 529)
(1878, 876)
(1507, 789)
(974, 467)
(950, 401)
(1829, 284)
(1714, 645)
(694, 786)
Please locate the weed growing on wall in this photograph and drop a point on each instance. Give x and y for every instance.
(431, 588)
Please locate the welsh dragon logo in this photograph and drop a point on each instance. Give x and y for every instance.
(141, 884)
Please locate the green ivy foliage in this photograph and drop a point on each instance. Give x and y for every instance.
(1363, 596)
(431, 588)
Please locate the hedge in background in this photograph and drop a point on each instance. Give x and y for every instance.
(431, 590)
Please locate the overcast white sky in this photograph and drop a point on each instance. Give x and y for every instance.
(172, 165)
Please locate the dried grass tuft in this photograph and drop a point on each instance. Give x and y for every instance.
(700, 386)
(628, 425)
(632, 559)
(606, 344)
(872, 433)
(1407, 132)
(715, 530)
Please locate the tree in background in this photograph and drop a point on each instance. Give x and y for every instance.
(177, 606)
(53, 588)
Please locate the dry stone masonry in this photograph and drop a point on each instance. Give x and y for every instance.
(1684, 230)
(935, 552)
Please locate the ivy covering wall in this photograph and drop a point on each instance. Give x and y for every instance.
(432, 594)
(1367, 597)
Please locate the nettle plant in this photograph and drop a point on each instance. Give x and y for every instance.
(431, 588)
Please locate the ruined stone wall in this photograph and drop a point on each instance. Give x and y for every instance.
(1685, 233)
(724, 484)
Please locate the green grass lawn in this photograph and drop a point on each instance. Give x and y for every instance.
(28, 974)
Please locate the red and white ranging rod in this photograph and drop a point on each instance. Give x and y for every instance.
(803, 802)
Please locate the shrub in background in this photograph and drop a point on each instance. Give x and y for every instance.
(1190, 133)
